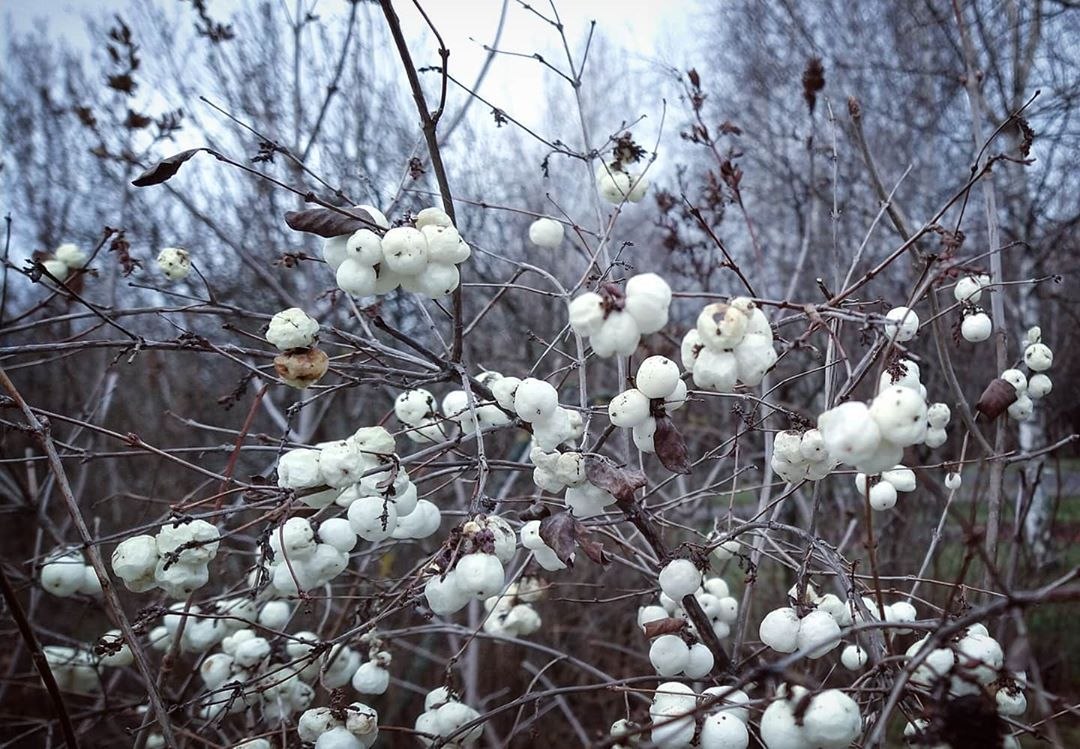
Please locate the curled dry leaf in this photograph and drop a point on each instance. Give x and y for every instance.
(329, 223)
(668, 626)
(564, 533)
(165, 169)
(620, 483)
(670, 447)
(996, 398)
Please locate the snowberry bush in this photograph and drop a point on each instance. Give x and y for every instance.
(714, 510)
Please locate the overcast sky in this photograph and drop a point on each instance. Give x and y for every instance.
(651, 32)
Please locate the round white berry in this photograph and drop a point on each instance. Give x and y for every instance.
(371, 678)
(779, 630)
(669, 655)
(480, 575)
(292, 329)
(657, 377)
(173, 262)
(700, 662)
(1038, 357)
(716, 370)
(779, 728)
(355, 278)
(405, 250)
(818, 634)
(535, 400)
(619, 334)
(629, 408)
(968, 289)
(976, 327)
(722, 326)
(853, 658)
(882, 496)
(587, 313)
(901, 324)
(832, 720)
(679, 578)
(938, 415)
(372, 518)
(900, 414)
(1022, 408)
(546, 232)
(1039, 386)
(849, 432)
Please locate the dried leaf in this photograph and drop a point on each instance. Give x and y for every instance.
(560, 533)
(165, 169)
(813, 81)
(593, 549)
(327, 223)
(564, 533)
(998, 396)
(670, 447)
(620, 483)
(668, 626)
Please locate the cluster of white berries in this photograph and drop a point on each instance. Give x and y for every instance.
(831, 720)
(423, 258)
(671, 654)
(872, 438)
(617, 185)
(969, 663)
(544, 555)
(174, 263)
(547, 233)
(488, 543)
(555, 471)
(537, 402)
(657, 390)
(72, 668)
(512, 612)
(976, 326)
(202, 632)
(66, 258)
(365, 476)
(732, 342)
(66, 573)
(882, 490)
(614, 321)
(352, 727)
(797, 456)
(677, 717)
(481, 414)
(1038, 357)
(303, 561)
(176, 559)
(444, 717)
(416, 409)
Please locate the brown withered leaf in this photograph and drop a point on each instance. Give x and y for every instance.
(564, 533)
(998, 396)
(670, 447)
(620, 483)
(558, 531)
(327, 223)
(813, 81)
(165, 169)
(668, 626)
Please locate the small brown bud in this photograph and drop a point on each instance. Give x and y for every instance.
(302, 367)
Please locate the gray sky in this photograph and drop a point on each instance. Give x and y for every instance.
(646, 29)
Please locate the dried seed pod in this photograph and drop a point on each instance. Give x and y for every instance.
(996, 398)
(299, 369)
